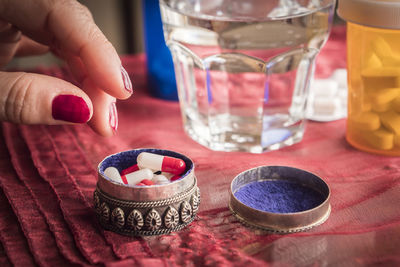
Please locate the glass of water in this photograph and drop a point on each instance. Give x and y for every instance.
(243, 68)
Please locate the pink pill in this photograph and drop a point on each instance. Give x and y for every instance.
(161, 163)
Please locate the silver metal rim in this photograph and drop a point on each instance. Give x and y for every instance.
(280, 222)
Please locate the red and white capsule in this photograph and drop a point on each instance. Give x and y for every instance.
(175, 177)
(130, 169)
(160, 179)
(161, 163)
(136, 177)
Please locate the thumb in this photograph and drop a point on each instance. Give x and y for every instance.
(39, 99)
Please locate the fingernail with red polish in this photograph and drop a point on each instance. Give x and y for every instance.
(127, 80)
(70, 108)
(113, 117)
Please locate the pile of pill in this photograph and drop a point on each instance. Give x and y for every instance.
(151, 169)
(375, 102)
(327, 100)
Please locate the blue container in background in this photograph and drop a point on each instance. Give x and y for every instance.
(160, 67)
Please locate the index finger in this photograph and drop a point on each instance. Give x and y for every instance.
(69, 26)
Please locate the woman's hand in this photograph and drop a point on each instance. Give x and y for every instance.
(65, 27)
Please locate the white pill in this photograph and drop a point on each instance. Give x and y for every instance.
(326, 106)
(113, 174)
(340, 76)
(324, 87)
(144, 167)
(167, 175)
(136, 177)
(343, 96)
(149, 161)
(160, 179)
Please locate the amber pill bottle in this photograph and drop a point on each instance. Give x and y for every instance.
(373, 66)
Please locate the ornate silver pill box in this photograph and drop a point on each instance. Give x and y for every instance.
(145, 210)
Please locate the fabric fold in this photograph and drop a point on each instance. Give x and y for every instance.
(76, 210)
(42, 194)
(40, 240)
(11, 236)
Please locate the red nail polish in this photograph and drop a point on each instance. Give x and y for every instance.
(113, 117)
(127, 80)
(70, 108)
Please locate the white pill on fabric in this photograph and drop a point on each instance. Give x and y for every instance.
(343, 97)
(160, 179)
(326, 106)
(113, 174)
(136, 177)
(324, 87)
(340, 76)
(342, 93)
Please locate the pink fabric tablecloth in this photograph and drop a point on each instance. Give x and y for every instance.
(48, 175)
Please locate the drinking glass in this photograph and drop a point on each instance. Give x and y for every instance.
(243, 68)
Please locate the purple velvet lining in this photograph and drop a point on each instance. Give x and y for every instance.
(126, 159)
(279, 196)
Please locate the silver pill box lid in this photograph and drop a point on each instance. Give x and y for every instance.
(280, 222)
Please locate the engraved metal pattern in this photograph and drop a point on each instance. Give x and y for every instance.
(96, 201)
(105, 212)
(171, 218)
(161, 231)
(186, 211)
(135, 220)
(198, 194)
(118, 217)
(153, 220)
(194, 201)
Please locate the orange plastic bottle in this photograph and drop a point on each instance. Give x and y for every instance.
(373, 65)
